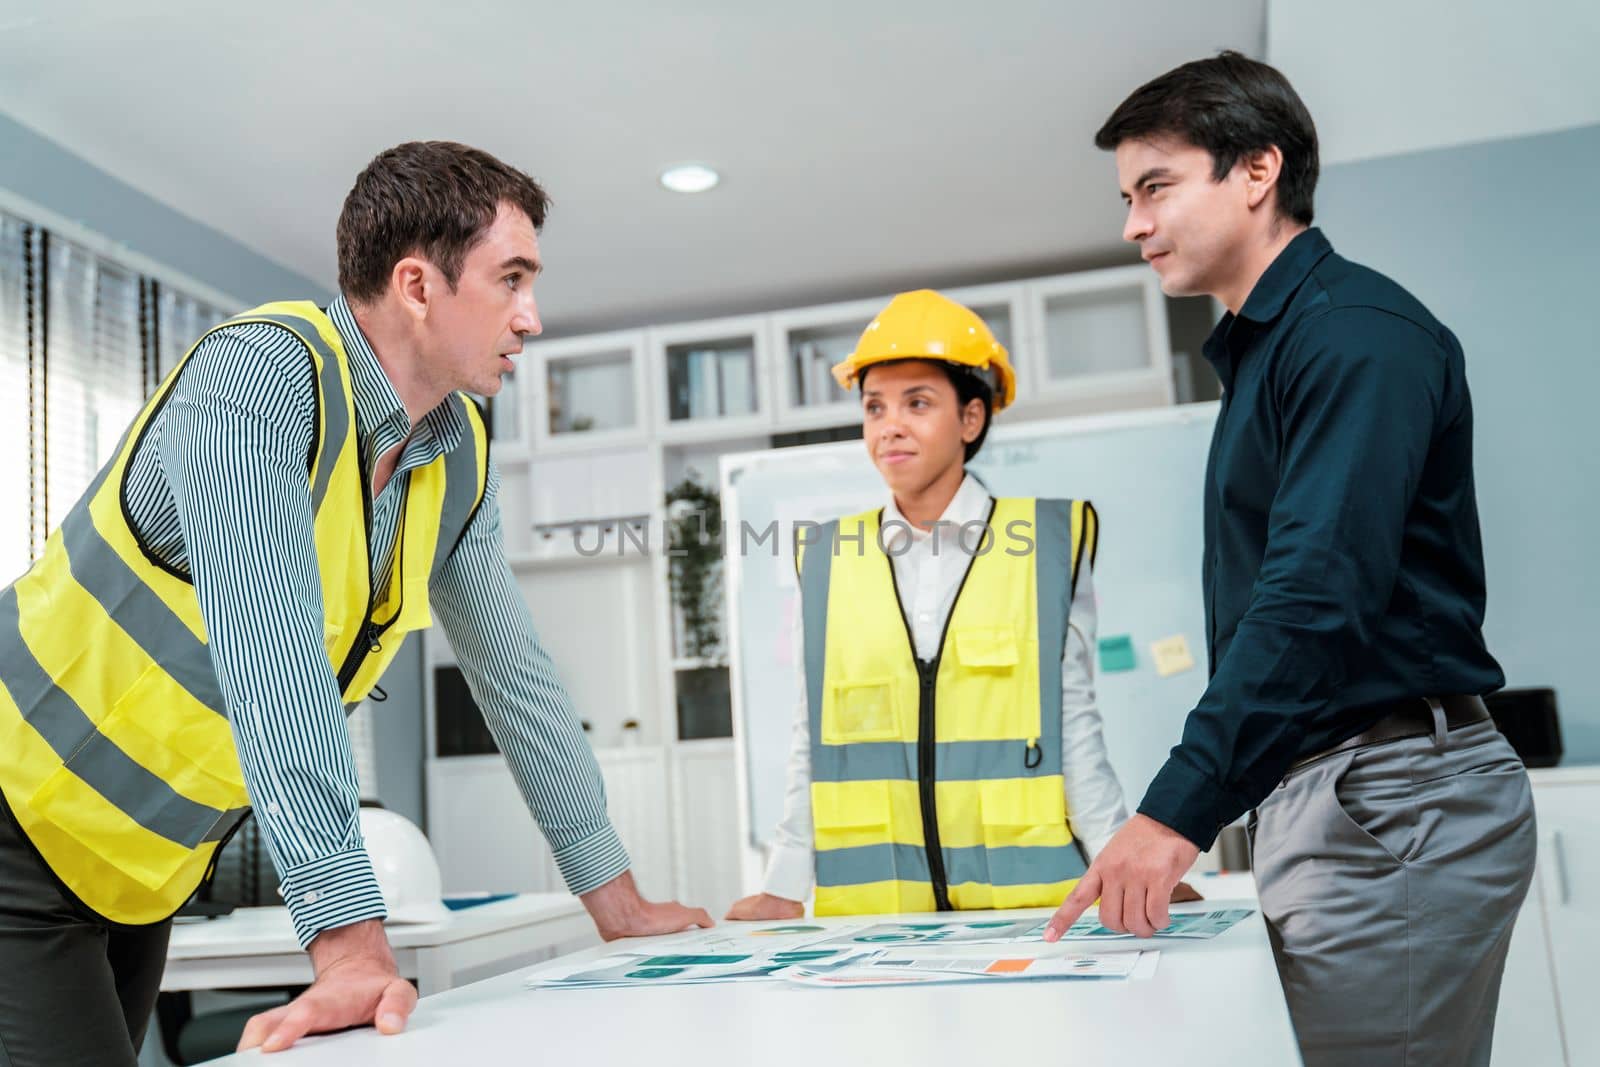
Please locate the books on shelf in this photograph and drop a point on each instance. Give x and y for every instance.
(712, 383)
(814, 375)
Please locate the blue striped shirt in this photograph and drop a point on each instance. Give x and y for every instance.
(218, 490)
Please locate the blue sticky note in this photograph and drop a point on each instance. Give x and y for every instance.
(1116, 653)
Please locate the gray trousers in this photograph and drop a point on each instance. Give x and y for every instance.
(1390, 877)
(74, 990)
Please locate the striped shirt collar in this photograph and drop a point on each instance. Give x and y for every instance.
(381, 419)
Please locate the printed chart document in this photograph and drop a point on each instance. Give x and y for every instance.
(645, 968)
(976, 932)
(1192, 926)
(887, 967)
(876, 954)
(1185, 925)
(732, 952)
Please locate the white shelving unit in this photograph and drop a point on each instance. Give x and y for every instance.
(590, 436)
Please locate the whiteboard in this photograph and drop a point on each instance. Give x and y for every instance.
(1144, 473)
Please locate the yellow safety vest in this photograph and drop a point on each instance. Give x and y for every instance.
(116, 756)
(937, 785)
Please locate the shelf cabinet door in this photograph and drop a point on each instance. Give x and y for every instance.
(707, 824)
(1569, 884)
(1004, 309)
(636, 796)
(1100, 336)
(1527, 1027)
(807, 344)
(710, 379)
(485, 838)
(587, 392)
(508, 416)
(482, 833)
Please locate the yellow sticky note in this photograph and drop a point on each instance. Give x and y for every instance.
(1172, 655)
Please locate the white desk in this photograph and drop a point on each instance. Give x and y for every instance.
(256, 947)
(1210, 1003)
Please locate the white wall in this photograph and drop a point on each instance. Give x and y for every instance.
(1383, 77)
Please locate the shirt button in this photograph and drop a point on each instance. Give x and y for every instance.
(311, 897)
(926, 616)
(273, 809)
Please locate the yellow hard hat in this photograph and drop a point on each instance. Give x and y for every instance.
(929, 325)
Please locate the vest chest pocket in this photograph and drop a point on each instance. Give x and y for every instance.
(861, 711)
(989, 690)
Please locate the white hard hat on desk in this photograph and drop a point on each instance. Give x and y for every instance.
(408, 874)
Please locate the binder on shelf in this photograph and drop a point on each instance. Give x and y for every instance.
(822, 383)
(678, 392)
(705, 384)
(802, 356)
(738, 382)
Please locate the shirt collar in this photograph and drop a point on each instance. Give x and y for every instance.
(1266, 301)
(381, 419)
(970, 504)
(1280, 280)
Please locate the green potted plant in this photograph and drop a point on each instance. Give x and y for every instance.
(694, 554)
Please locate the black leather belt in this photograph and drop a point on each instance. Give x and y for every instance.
(1408, 718)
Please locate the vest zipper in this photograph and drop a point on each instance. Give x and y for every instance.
(927, 726)
(927, 675)
(371, 632)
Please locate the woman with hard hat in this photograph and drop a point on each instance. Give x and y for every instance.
(948, 753)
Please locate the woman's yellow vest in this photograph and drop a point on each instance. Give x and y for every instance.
(116, 756)
(937, 785)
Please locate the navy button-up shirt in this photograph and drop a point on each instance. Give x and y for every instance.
(1343, 564)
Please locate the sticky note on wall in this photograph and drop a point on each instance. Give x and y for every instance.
(1116, 653)
(1172, 655)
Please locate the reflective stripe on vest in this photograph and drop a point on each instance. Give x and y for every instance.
(997, 792)
(116, 755)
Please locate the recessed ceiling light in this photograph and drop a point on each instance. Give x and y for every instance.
(690, 178)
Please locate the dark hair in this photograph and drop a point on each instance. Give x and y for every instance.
(968, 386)
(1231, 106)
(431, 198)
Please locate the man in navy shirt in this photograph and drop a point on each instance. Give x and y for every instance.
(1392, 825)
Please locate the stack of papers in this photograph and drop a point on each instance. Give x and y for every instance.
(890, 953)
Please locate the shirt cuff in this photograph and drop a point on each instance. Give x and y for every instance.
(790, 872)
(593, 861)
(1184, 799)
(335, 890)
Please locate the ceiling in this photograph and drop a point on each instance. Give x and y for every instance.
(864, 146)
